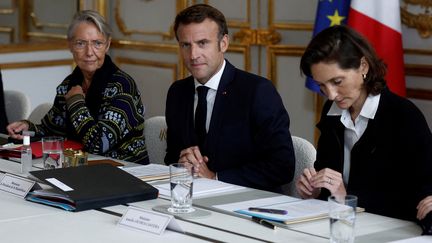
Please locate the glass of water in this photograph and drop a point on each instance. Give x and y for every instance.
(52, 148)
(181, 180)
(342, 213)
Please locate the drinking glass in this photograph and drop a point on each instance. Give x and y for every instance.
(52, 148)
(342, 213)
(181, 181)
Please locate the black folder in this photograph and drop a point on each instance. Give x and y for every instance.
(94, 186)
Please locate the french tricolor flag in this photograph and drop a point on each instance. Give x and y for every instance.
(379, 21)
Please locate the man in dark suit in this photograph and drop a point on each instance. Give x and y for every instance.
(3, 117)
(240, 134)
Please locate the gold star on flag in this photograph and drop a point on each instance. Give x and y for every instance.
(335, 19)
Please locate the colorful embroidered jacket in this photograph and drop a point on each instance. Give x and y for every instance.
(109, 120)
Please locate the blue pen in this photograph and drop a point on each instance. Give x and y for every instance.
(268, 210)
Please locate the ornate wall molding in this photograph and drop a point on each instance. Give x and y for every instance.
(257, 37)
(284, 26)
(141, 62)
(284, 50)
(10, 10)
(32, 26)
(40, 25)
(10, 31)
(420, 21)
(144, 46)
(124, 29)
(236, 23)
(42, 46)
(420, 94)
(274, 52)
(245, 51)
(64, 62)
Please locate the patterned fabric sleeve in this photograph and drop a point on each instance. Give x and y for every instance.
(119, 115)
(120, 119)
(54, 123)
(117, 131)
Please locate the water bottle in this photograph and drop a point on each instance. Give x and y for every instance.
(26, 155)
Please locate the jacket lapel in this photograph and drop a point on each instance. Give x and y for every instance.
(221, 100)
(189, 130)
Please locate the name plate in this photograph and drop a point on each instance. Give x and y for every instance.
(15, 185)
(149, 221)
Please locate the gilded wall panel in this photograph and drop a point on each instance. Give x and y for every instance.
(145, 20)
(294, 14)
(8, 21)
(417, 41)
(237, 12)
(153, 79)
(49, 19)
(300, 103)
(294, 20)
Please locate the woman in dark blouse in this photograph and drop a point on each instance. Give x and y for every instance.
(373, 143)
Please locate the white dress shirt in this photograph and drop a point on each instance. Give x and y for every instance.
(213, 85)
(354, 130)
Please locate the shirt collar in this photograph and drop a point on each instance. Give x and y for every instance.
(214, 81)
(368, 110)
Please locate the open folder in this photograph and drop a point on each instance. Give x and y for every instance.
(89, 187)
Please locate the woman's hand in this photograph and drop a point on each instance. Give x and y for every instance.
(304, 186)
(424, 207)
(77, 89)
(15, 128)
(330, 179)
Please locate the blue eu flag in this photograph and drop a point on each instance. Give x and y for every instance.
(329, 13)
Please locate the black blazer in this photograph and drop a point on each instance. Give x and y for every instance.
(3, 117)
(391, 164)
(248, 142)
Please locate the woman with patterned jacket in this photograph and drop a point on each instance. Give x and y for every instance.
(98, 104)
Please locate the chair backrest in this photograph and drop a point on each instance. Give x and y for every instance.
(17, 105)
(39, 112)
(155, 138)
(305, 154)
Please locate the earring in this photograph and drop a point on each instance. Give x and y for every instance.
(364, 75)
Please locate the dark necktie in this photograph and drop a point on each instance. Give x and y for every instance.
(201, 115)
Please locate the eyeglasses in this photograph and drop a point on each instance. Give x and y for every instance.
(80, 45)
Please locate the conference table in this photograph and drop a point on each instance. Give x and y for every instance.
(24, 221)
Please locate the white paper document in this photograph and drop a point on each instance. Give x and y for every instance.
(149, 172)
(201, 187)
(298, 210)
(418, 239)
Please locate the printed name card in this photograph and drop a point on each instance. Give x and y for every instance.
(15, 185)
(150, 221)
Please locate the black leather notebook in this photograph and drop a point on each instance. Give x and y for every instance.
(89, 187)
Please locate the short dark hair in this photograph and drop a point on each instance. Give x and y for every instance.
(197, 14)
(342, 45)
